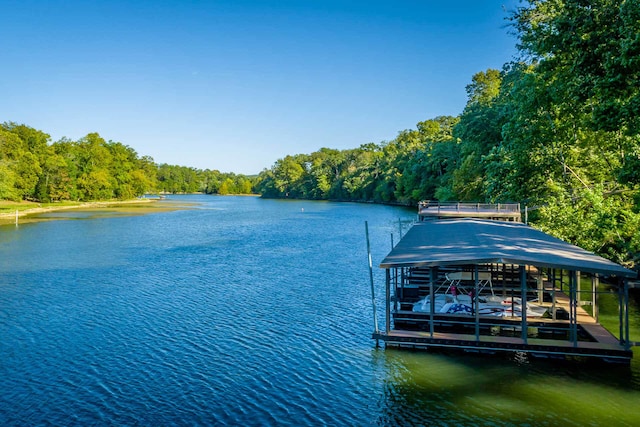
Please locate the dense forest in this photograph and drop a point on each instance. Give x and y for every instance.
(557, 129)
(32, 168)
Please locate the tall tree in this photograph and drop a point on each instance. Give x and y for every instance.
(479, 131)
(589, 52)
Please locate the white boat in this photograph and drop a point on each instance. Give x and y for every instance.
(487, 306)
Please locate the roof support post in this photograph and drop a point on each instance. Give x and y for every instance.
(625, 285)
(474, 302)
(523, 296)
(621, 312)
(433, 274)
(573, 308)
(594, 296)
(403, 279)
(540, 286)
(578, 290)
(553, 293)
(387, 306)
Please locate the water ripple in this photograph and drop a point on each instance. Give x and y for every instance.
(246, 312)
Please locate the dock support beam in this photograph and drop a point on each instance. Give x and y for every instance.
(621, 311)
(553, 293)
(594, 297)
(433, 274)
(474, 301)
(523, 296)
(573, 307)
(387, 305)
(578, 290)
(625, 286)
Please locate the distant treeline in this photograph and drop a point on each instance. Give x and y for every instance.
(32, 168)
(558, 130)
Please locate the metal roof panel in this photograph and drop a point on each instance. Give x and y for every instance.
(477, 241)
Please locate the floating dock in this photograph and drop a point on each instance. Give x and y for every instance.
(458, 280)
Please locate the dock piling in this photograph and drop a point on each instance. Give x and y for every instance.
(373, 295)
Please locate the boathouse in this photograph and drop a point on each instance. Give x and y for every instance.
(473, 277)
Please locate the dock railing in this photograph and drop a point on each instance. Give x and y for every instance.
(500, 211)
(469, 207)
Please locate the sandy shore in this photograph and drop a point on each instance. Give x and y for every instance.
(146, 205)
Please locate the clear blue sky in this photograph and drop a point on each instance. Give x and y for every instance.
(235, 85)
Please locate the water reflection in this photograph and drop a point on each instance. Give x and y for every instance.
(461, 389)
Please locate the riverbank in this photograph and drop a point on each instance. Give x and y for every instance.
(25, 212)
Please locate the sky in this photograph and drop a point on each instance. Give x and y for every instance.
(235, 85)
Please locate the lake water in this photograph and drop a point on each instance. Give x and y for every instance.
(243, 311)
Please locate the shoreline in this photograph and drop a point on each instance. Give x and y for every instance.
(10, 217)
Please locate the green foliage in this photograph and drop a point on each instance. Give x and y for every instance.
(479, 131)
(7, 183)
(595, 219)
(216, 182)
(398, 171)
(589, 54)
(32, 168)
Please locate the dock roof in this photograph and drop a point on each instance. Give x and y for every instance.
(477, 241)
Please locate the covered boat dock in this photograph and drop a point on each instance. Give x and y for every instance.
(484, 285)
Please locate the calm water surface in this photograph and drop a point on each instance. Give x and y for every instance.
(245, 311)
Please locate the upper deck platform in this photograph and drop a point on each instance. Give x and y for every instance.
(429, 209)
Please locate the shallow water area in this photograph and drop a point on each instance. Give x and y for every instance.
(245, 311)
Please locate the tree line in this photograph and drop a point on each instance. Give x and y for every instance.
(557, 130)
(89, 169)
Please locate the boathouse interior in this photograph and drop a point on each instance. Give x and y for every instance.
(472, 277)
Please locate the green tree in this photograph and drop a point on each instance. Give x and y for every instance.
(588, 52)
(55, 184)
(94, 161)
(24, 153)
(287, 173)
(479, 131)
(7, 183)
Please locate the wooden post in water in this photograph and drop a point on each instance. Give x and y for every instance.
(16, 217)
(373, 295)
